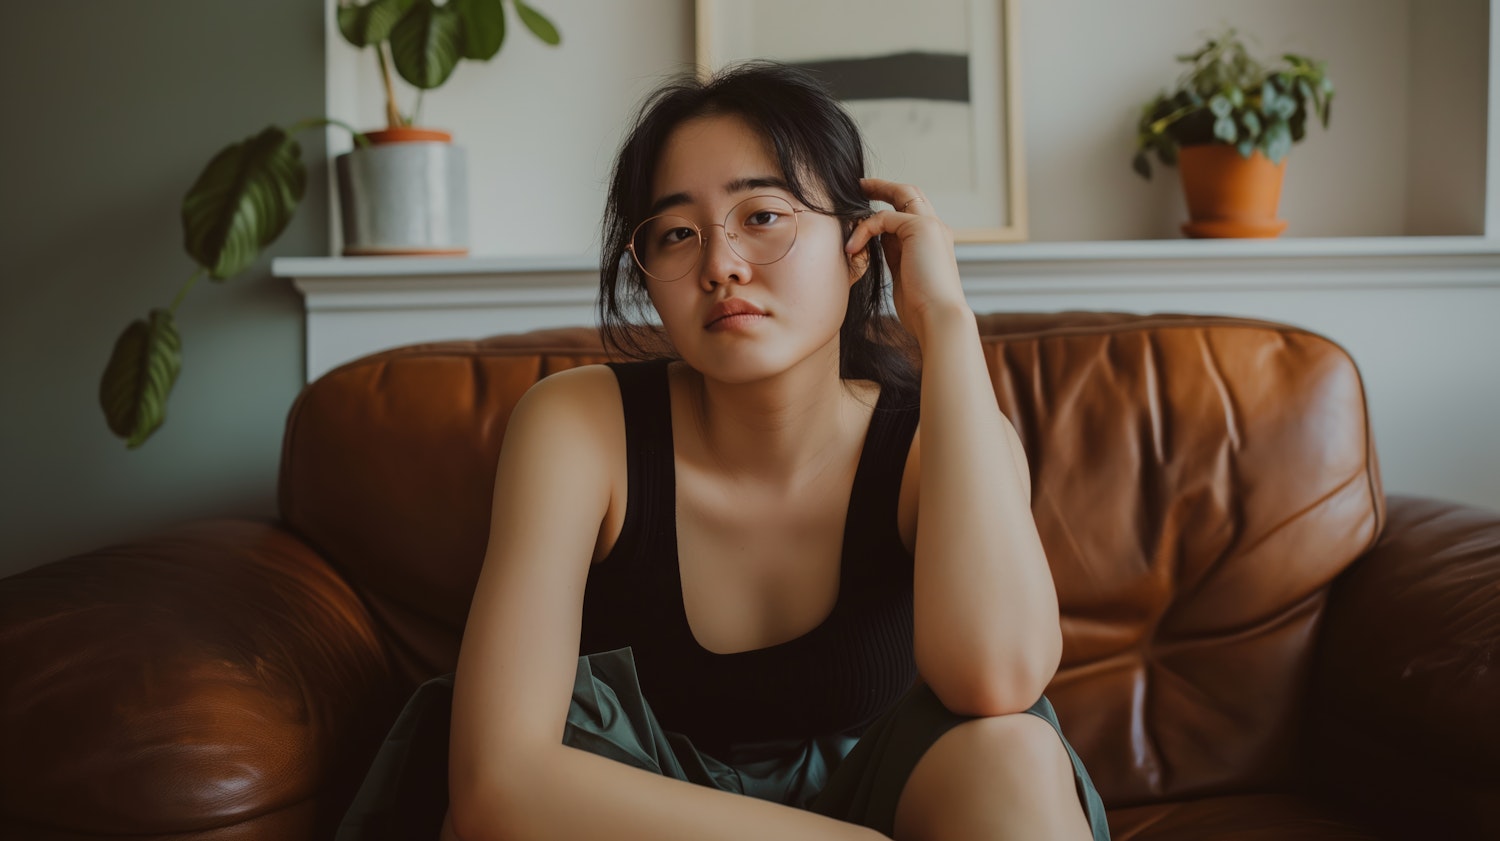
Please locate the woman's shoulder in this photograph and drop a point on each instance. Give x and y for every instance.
(585, 394)
(581, 381)
(571, 422)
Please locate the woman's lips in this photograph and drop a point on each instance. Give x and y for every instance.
(732, 313)
(734, 322)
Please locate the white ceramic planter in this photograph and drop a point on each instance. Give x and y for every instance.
(407, 197)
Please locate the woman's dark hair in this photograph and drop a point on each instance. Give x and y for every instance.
(813, 139)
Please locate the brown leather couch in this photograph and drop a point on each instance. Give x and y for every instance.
(1260, 644)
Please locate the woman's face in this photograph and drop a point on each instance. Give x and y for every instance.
(797, 304)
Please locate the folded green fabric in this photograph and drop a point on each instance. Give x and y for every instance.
(852, 777)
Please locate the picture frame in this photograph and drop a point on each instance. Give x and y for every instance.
(933, 86)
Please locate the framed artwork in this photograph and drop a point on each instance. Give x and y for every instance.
(932, 85)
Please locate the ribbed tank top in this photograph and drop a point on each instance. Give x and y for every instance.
(837, 678)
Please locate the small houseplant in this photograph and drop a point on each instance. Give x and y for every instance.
(246, 195)
(409, 194)
(1229, 123)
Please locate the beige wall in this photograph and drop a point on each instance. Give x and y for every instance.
(112, 111)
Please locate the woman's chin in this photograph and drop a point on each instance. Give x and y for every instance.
(747, 362)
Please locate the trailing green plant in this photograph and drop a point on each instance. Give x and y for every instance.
(1226, 96)
(240, 204)
(246, 196)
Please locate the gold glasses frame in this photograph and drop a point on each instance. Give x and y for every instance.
(729, 236)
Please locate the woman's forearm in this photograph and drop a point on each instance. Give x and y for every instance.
(987, 631)
(569, 794)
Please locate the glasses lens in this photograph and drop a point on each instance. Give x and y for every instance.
(665, 247)
(761, 229)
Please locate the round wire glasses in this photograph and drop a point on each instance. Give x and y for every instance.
(760, 229)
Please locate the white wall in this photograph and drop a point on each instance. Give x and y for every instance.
(541, 125)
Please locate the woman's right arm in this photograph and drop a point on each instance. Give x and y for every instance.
(510, 775)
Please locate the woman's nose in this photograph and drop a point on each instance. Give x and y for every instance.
(720, 262)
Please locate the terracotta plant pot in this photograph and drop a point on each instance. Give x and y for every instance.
(1229, 195)
(406, 194)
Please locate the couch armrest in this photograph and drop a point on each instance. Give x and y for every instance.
(219, 679)
(1405, 712)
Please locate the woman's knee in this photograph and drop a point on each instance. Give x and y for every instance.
(1021, 742)
(984, 763)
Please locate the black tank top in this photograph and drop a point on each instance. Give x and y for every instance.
(837, 678)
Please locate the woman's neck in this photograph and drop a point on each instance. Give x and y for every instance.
(781, 430)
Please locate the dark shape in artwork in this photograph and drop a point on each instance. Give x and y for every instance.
(914, 75)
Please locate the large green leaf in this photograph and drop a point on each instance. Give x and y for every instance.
(1251, 122)
(139, 376)
(427, 44)
(1141, 165)
(539, 25)
(372, 22)
(483, 25)
(1225, 130)
(1268, 99)
(1277, 141)
(242, 202)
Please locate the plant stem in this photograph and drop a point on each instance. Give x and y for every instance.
(182, 293)
(1161, 125)
(392, 114)
(416, 113)
(359, 138)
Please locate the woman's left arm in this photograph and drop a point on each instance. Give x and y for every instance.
(987, 634)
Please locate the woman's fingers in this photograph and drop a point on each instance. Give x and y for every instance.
(867, 229)
(903, 197)
(892, 222)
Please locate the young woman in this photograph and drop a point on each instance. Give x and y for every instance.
(801, 612)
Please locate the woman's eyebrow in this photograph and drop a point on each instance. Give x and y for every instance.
(738, 185)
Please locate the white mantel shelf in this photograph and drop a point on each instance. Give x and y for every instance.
(1171, 251)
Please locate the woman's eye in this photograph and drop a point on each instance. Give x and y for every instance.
(761, 218)
(673, 236)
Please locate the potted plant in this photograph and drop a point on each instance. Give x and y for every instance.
(246, 195)
(1228, 124)
(407, 193)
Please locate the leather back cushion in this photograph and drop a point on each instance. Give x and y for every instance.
(1197, 482)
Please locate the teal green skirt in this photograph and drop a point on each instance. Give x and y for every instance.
(857, 779)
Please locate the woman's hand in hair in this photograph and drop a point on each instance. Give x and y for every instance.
(919, 250)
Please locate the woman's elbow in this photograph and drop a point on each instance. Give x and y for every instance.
(1012, 686)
